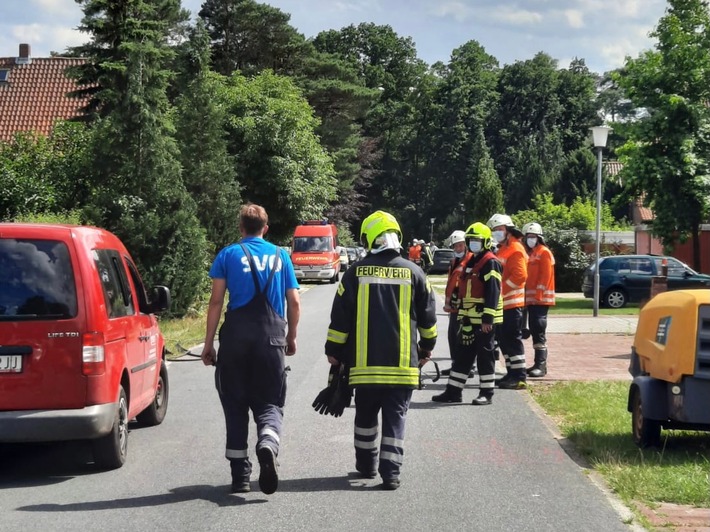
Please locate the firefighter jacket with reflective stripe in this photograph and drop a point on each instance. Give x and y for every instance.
(455, 268)
(381, 304)
(514, 260)
(480, 289)
(540, 286)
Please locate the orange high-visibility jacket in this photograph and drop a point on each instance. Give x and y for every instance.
(540, 286)
(415, 253)
(514, 259)
(452, 283)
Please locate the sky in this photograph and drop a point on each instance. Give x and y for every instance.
(602, 32)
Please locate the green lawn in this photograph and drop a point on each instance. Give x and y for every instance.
(562, 305)
(593, 417)
(586, 306)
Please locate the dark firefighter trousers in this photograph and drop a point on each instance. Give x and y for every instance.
(394, 403)
(481, 352)
(251, 375)
(452, 335)
(537, 322)
(510, 341)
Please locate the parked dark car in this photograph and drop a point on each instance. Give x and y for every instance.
(442, 259)
(627, 278)
(353, 255)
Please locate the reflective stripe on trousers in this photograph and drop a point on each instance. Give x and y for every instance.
(394, 403)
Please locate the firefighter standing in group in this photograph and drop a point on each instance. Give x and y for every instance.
(539, 294)
(427, 255)
(457, 241)
(514, 260)
(480, 309)
(415, 252)
(380, 305)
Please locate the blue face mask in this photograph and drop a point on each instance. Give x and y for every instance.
(475, 246)
(459, 254)
(532, 242)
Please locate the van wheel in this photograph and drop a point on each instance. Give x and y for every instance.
(615, 298)
(646, 432)
(154, 414)
(110, 451)
(334, 279)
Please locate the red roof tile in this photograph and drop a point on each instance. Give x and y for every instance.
(640, 213)
(34, 96)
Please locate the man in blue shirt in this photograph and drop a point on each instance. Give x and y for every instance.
(250, 368)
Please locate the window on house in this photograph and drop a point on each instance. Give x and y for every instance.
(4, 75)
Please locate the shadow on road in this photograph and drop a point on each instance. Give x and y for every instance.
(28, 465)
(218, 495)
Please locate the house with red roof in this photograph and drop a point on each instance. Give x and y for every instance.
(34, 93)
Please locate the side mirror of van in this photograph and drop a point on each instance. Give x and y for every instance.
(159, 299)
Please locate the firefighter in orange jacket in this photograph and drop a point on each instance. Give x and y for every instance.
(539, 294)
(514, 259)
(415, 252)
(457, 241)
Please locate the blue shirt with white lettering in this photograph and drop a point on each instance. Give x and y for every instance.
(232, 264)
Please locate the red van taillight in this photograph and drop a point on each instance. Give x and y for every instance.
(92, 354)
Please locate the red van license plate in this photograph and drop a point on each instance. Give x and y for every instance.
(10, 363)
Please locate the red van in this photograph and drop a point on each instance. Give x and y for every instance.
(314, 251)
(81, 353)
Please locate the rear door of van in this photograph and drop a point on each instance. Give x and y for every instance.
(41, 320)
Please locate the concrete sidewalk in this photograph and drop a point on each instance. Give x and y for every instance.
(568, 324)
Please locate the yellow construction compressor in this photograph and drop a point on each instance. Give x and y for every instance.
(670, 364)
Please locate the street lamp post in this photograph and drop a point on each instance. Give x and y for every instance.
(431, 233)
(599, 136)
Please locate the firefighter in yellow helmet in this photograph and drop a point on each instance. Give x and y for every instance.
(380, 306)
(480, 308)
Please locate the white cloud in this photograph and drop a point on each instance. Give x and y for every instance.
(55, 7)
(575, 18)
(620, 9)
(516, 17)
(44, 39)
(458, 10)
(355, 5)
(616, 52)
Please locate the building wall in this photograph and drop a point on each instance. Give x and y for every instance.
(646, 243)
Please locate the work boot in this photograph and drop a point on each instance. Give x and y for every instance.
(269, 474)
(538, 370)
(512, 384)
(482, 399)
(366, 472)
(450, 395)
(390, 484)
(240, 486)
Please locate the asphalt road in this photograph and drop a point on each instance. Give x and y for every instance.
(469, 468)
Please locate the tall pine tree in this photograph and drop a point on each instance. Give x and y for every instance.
(139, 192)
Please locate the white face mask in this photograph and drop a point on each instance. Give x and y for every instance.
(532, 242)
(459, 254)
(474, 246)
(499, 236)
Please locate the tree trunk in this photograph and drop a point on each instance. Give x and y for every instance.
(696, 247)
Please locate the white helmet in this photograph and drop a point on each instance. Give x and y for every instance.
(457, 236)
(500, 219)
(532, 228)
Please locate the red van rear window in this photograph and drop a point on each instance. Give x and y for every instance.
(37, 281)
